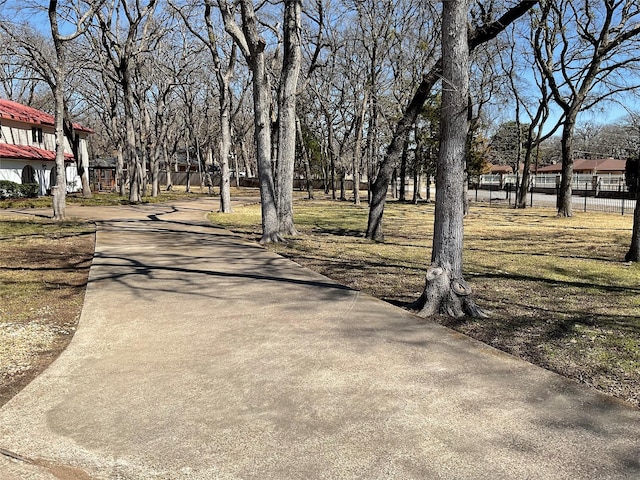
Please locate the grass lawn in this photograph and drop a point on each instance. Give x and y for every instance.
(101, 199)
(43, 273)
(556, 289)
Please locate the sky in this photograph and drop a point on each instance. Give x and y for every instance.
(34, 12)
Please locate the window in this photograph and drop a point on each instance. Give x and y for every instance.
(28, 175)
(36, 135)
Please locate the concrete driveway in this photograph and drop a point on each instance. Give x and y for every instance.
(202, 356)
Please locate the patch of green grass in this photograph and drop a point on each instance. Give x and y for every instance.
(30, 228)
(557, 290)
(102, 199)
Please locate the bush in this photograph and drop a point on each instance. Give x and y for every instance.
(10, 189)
(29, 190)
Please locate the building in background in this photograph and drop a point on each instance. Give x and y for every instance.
(28, 144)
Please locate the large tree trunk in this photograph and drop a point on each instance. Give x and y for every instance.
(252, 46)
(633, 255)
(225, 174)
(402, 195)
(521, 194)
(565, 193)
(445, 291)
(83, 171)
(155, 172)
(134, 166)
(292, 61)
(416, 185)
(60, 188)
(262, 124)
(167, 164)
(223, 76)
(225, 146)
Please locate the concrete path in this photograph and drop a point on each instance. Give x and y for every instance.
(202, 356)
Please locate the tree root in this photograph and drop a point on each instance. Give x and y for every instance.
(272, 238)
(446, 296)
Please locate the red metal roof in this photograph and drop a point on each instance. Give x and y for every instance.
(25, 152)
(501, 169)
(611, 165)
(22, 113)
(605, 165)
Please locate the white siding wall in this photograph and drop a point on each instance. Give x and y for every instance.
(12, 170)
(18, 133)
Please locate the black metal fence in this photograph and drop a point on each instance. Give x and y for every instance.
(620, 201)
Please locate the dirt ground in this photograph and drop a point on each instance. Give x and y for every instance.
(42, 283)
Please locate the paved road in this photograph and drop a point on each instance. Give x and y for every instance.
(202, 356)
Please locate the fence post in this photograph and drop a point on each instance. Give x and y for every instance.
(622, 195)
(586, 186)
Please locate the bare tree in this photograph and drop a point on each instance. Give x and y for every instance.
(445, 291)
(252, 46)
(223, 66)
(125, 29)
(80, 19)
(287, 94)
(478, 36)
(583, 48)
(17, 81)
(50, 67)
(100, 90)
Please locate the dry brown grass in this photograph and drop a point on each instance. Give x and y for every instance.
(556, 289)
(43, 273)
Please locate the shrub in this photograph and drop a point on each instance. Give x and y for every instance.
(29, 190)
(9, 189)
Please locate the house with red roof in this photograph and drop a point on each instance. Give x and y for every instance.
(28, 144)
(592, 167)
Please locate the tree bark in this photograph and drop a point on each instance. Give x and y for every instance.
(60, 189)
(445, 291)
(252, 47)
(262, 121)
(402, 195)
(167, 164)
(416, 185)
(633, 255)
(223, 76)
(565, 208)
(121, 180)
(292, 61)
